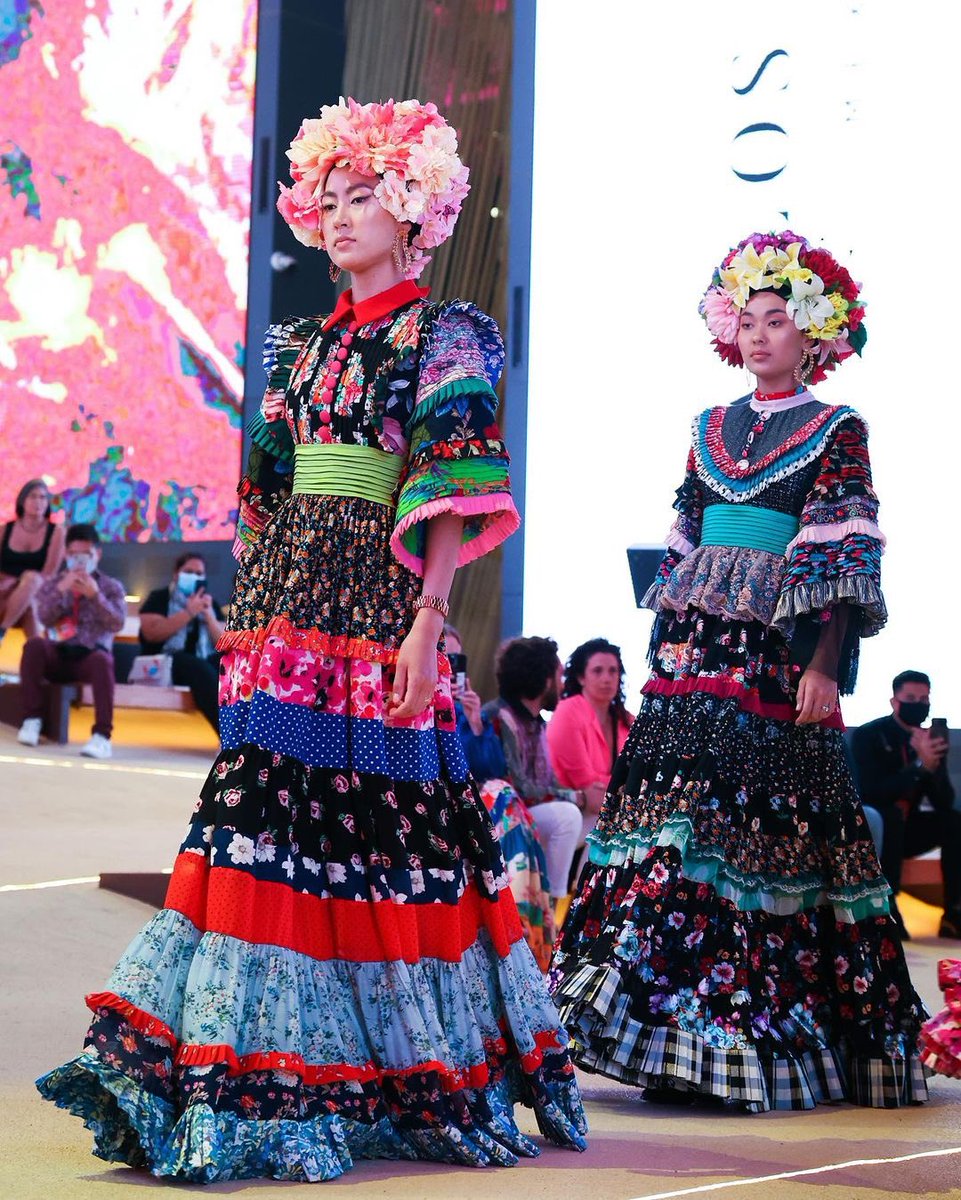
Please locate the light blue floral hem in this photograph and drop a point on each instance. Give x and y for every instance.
(203, 1146)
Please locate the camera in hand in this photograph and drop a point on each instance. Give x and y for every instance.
(458, 666)
(939, 729)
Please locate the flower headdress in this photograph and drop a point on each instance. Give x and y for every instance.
(408, 146)
(822, 298)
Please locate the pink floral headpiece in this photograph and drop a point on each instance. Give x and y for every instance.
(822, 298)
(408, 146)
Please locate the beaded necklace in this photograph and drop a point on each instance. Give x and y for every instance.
(762, 418)
(326, 398)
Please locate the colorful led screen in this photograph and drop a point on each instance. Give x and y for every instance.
(125, 150)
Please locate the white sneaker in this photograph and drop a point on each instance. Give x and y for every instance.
(29, 734)
(97, 747)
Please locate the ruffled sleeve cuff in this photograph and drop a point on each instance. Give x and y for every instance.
(823, 574)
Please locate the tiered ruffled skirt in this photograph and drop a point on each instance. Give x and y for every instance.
(339, 971)
(730, 934)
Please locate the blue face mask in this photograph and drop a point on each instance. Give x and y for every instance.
(81, 562)
(188, 582)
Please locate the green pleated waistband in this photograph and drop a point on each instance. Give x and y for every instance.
(745, 525)
(332, 469)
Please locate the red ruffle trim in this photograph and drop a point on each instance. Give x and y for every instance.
(332, 645)
(748, 698)
(452, 1079)
(230, 901)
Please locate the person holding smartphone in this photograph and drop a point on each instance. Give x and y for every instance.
(185, 621)
(902, 773)
(82, 609)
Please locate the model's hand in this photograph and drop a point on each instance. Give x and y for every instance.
(415, 677)
(817, 697)
(470, 702)
(930, 751)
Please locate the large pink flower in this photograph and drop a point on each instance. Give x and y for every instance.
(721, 315)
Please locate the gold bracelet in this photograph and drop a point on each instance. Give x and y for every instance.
(435, 602)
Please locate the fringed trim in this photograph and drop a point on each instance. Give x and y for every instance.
(861, 590)
(836, 532)
(748, 894)
(498, 505)
(748, 699)
(761, 476)
(330, 645)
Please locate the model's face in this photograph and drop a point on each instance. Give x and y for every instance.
(601, 679)
(36, 502)
(770, 343)
(359, 234)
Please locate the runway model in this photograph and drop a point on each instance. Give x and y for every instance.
(339, 970)
(730, 937)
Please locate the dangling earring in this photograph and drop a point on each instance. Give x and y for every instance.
(401, 254)
(333, 271)
(804, 367)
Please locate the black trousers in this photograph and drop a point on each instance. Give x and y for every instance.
(921, 832)
(202, 676)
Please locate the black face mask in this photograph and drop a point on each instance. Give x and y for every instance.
(913, 712)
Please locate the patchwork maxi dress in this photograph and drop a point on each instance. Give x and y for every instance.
(730, 934)
(339, 970)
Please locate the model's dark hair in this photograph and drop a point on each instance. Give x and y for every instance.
(21, 500)
(186, 557)
(524, 666)
(910, 677)
(82, 533)
(576, 665)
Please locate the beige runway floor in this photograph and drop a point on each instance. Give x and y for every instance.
(66, 819)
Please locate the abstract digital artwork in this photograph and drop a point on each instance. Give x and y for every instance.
(125, 154)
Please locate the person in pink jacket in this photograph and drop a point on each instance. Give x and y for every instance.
(590, 724)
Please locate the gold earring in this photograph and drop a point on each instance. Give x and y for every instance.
(401, 254)
(333, 271)
(804, 367)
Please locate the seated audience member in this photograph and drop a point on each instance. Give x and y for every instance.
(185, 621)
(590, 725)
(529, 681)
(82, 609)
(31, 550)
(523, 854)
(902, 772)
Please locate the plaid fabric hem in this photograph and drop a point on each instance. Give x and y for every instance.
(608, 1041)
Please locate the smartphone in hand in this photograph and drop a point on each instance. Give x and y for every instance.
(939, 729)
(458, 666)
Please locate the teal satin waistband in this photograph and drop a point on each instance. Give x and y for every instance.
(332, 469)
(746, 525)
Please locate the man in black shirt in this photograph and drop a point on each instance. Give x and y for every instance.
(184, 621)
(902, 772)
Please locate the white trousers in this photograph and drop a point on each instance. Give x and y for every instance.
(558, 824)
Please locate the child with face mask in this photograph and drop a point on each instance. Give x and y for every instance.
(82, 609)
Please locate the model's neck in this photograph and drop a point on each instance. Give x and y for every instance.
(374, 280)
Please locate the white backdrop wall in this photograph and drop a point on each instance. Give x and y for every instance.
(641, 184)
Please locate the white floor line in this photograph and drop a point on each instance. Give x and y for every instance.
(166, 772)
(48, 883)
(854, 1162)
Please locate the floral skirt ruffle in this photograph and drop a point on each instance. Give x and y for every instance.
(730, 934)
(941, 1035)
(525, 865)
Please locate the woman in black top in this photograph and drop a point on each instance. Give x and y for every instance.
(30, 551)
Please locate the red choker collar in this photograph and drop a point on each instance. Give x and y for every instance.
(795, 391)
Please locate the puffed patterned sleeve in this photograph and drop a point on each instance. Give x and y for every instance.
(457, 461)
(266, 483)
(683, 536)
(833, 567)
